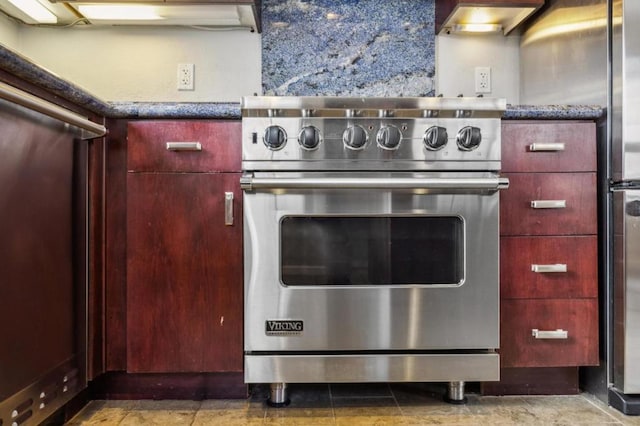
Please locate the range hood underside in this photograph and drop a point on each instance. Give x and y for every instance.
(157, 12)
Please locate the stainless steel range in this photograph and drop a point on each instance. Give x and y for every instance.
(371, 240)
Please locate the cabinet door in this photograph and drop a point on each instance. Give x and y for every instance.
(184, 273)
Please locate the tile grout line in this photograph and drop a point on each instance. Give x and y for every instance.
(195, 413)
(333, 410)
(126, 413)
(265, 408)
(580, 396)
(364, 397)
(601, 409)
(393, 394)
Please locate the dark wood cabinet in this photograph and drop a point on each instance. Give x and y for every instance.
(184, 262)
(548, 254)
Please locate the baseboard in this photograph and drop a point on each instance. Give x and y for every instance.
(534, 381)
(189, 386)
(626, 404)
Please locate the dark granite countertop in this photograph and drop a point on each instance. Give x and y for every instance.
(553, 112)
(232, 110)
(229, 110)
(23, 68)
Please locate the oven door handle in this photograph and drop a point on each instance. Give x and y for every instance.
(250, 183)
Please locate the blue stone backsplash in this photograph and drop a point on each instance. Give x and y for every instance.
(348, 47)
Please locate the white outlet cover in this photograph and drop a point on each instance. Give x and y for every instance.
(483, 79)
(185, 77)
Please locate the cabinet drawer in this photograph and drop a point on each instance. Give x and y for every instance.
(578, 317)
(577, 190)
(519, 256)
(548, 147)
(219, 146)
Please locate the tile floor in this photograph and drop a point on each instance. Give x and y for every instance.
(354, 405)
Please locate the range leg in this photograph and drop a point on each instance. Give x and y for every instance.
(455, 393)
(278, 395)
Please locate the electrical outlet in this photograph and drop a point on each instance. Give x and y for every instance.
(185, 76)
(483, 80)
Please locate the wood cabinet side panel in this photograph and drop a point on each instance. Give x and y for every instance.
(96, 289)
(115, 260)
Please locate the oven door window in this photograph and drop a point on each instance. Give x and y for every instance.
(366, 251)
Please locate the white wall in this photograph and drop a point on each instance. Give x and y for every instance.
(8, 33)
(140, 63)
(458, 55)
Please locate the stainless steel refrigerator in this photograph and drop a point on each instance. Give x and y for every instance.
(624, 234)
(588, 52)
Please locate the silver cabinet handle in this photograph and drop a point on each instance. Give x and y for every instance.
(550, 334)
(543, 269)
(228, 208)
(548, 204)
(184, 146)
(546, 147)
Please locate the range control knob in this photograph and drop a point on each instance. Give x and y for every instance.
(435, 138)
(389, 137)
(355, 137)
(309, 137)
(468, 138)
(275, 137)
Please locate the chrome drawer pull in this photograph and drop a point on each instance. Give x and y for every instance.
(184, 146)
(550, 334)
(548, 204)
(546, 147)
(559, 267)
(228, 208)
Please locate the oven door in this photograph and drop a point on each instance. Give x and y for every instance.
(348, 262)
